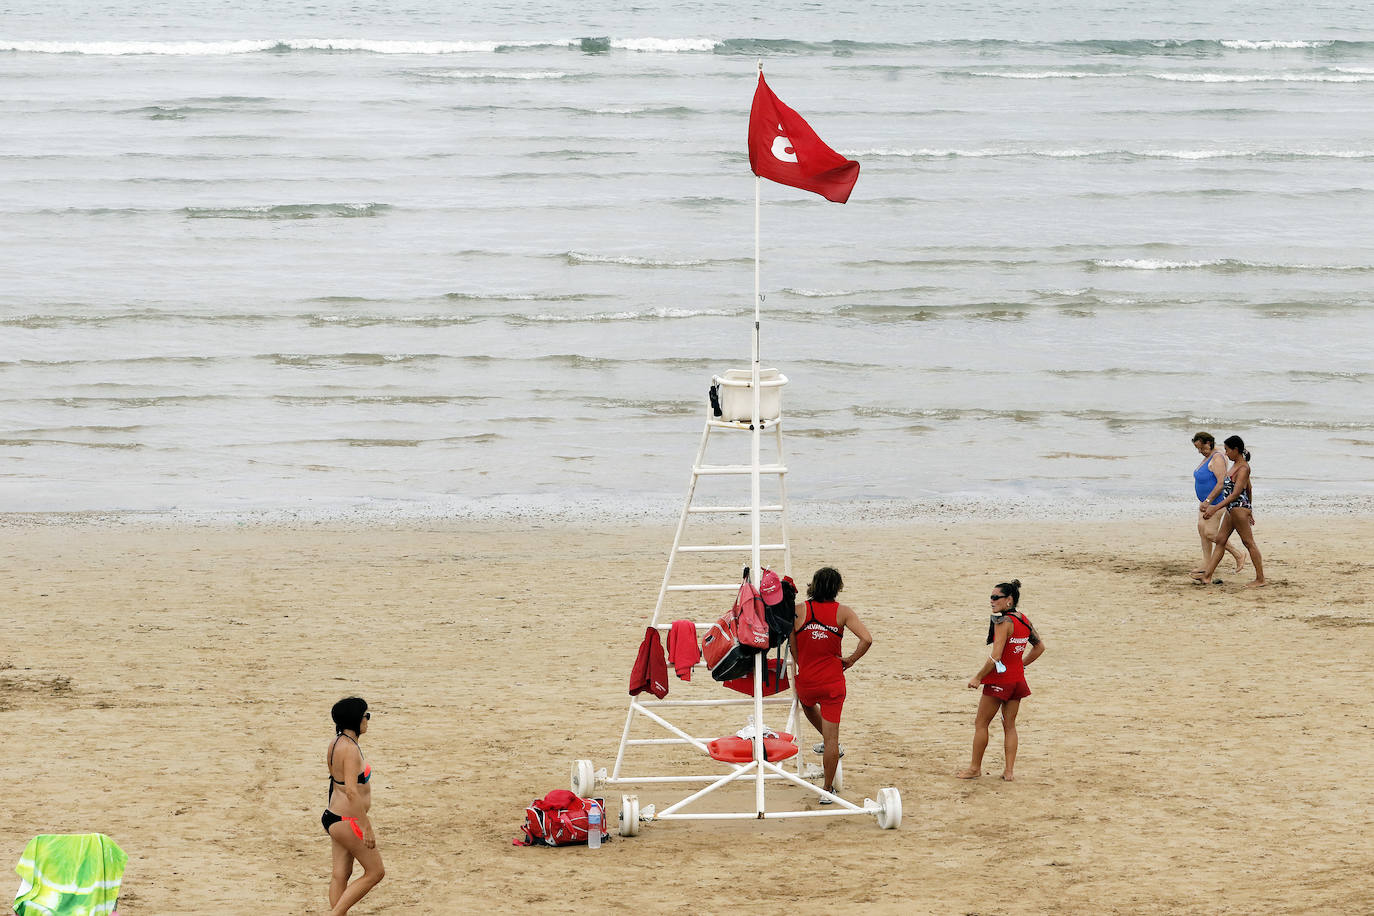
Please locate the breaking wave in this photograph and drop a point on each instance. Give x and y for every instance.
(287, 211)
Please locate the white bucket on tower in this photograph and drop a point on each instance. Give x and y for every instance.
(734, 390)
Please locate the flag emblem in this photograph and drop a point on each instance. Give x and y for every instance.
(784, 148)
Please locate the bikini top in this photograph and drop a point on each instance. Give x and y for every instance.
(363, 777)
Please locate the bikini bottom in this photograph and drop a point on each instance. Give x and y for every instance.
(329, 819)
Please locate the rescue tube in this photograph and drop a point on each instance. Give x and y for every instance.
(734, 749)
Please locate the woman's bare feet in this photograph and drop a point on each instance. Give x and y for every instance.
(1240, 560)
(1007, 777)
(967, 773)
(1258, 583)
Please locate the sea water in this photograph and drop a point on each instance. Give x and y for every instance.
(320, 256)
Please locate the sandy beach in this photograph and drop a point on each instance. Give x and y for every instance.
(1186, 750)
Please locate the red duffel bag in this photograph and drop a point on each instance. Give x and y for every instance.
(560, 819)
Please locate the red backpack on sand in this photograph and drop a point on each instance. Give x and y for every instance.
(733, 640)
(560, 819)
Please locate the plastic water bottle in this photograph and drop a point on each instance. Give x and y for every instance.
(594, 827)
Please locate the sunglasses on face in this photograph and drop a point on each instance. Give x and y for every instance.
(368, 716)
(996, 597)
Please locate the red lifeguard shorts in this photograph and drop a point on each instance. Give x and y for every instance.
(1007, 691)
(830, 697)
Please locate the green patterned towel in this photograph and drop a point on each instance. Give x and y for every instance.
(69, 875)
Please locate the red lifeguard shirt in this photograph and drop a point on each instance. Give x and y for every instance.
(818, 646)
(1013, 654)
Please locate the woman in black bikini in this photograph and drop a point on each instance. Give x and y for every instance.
(345, 820)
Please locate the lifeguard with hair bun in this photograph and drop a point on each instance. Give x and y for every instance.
(1015, 644)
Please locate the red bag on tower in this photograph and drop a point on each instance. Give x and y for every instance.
(732, 642)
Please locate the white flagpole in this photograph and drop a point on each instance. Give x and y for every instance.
(755, 568)
(754, 383)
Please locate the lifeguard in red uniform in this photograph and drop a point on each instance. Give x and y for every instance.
(816, 638)
(1015, 644)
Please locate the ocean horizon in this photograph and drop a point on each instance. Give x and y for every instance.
(487, 261)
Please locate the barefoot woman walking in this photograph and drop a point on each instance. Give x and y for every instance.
(1235, 502)
(1207, 478)
(350, 798)
(1002, 676)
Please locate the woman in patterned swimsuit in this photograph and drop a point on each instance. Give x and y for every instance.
(1235, 499)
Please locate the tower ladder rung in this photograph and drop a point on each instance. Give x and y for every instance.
(727, 548)
(717, 470)
(704, 509)
(704, 588)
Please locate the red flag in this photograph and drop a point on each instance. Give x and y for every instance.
(784, 148)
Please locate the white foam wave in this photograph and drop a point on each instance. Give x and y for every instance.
(1255, 154)
(384, 318)
(1240, 44)
(1045, 74)
(1333, 75)
(928, 153)
(500, 75)
(664, 45)
(1161, 264)
(925, 153)
(582, 258)
(115, 48)
(404, 47)
(818, 293)
(636, 315)
(1154, 264)
(1323, 77)
(624, 110)
(1192, 154)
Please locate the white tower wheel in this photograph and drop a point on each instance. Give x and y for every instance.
(629, 815)
(890, 814)
(583, 778)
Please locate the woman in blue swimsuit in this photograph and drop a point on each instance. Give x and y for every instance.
(350, 798)
(1207, 478)
(1235, 500)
